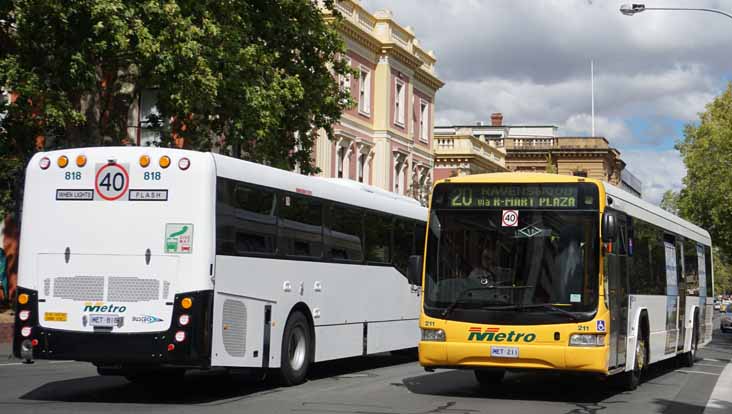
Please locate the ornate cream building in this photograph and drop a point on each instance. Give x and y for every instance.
(472, 149)
(386, 139)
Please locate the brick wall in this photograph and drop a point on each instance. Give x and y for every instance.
(6, 332)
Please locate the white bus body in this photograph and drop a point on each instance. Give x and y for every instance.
(106, 279)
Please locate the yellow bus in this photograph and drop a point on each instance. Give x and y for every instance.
(550, 272)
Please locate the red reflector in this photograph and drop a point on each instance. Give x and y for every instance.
(34, 342)
(171, 347)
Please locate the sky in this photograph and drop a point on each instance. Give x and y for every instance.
(530, 60)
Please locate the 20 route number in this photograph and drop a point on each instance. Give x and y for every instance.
(112, 181)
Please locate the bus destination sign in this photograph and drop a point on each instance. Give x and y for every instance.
(516, 196)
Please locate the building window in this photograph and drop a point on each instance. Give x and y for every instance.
(399, 102)
(424, 113)
(364, 91)
(361, 162)
(340, 158)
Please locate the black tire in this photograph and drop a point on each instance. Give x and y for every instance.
(688, 358)
(489, 377)
(297, 350)
(631, 379)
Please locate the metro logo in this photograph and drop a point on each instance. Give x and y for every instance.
(494, 335)
(101, 307)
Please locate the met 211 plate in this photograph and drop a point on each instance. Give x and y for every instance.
(505, 351)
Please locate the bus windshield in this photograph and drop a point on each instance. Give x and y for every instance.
(539, 267)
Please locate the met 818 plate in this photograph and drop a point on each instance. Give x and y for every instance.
(505, 351)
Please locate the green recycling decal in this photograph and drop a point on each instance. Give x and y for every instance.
(179, 239)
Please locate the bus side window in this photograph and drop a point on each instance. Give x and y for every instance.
(300, 226)
(419, 239)
(377, 230)
(345, 236)
(403, 244)
(245, 219)
(691, 268)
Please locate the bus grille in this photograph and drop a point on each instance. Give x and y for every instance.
(79, 288)
(234, 327)
(132, 289)
(119, 289)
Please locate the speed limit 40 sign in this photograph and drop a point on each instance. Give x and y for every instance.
(509, 218)
(111, 181)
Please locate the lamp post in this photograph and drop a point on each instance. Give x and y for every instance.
(631, 9)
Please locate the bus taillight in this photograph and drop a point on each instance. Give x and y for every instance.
(44, 163)
(62, 161)
(184, 319)
(26, 331)
(24, 315)
(80, 160)
(180, 336)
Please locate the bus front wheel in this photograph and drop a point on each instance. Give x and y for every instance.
(296, 350)
(688, 358)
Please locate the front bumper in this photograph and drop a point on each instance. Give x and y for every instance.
(531, 357)
(139, 349)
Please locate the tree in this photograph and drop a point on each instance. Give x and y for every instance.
(551, 167)
(670, 202)
(257, 75)
(706, 197)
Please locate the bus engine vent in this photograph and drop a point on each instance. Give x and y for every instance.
(234, 329)
(79, 288)
(166, 289)
(47, 287)
(133, 289)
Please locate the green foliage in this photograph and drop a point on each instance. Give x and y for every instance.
(257, 77)
(707, 152)
(722, 275)
(670, 202)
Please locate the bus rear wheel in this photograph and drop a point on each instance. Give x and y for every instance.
(487, 377)
(296, 352)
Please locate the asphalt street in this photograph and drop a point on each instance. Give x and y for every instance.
(380, 384)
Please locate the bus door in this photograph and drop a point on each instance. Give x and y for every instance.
(616, 271)
(681, 283)
(672, 294)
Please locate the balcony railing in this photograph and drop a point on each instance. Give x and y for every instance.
(468, 146)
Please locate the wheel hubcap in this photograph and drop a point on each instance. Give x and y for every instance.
(641, 354)
(298, 347)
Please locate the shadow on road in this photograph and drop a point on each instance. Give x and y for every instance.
(197, 387)
(586, 391)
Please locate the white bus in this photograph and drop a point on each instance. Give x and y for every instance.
(150, 261)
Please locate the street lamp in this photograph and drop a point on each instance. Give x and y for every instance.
(631, 9)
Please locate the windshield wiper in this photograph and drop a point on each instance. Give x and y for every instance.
(550, 307)
(455, 301)
(534, 306)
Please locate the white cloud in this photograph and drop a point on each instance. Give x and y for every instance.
(658, 170)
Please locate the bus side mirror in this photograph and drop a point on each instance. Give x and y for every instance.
(609, 227)
(414, 270)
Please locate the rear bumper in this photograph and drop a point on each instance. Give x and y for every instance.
(123, 349)
(531, 357)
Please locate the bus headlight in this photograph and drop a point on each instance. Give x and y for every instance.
(586, 340)
(436, 335)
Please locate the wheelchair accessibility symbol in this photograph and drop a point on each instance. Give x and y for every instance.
(601, 326)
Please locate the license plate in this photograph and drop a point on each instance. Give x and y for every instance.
(505, 351)
(107, 321)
